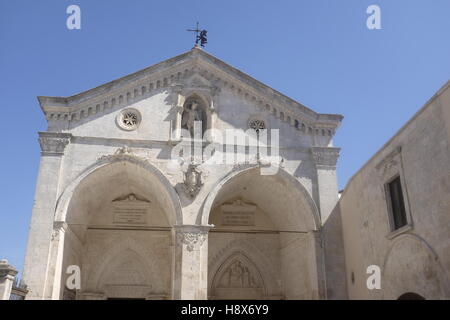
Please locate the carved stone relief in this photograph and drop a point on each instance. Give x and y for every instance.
(192, 180)
(191, 239)
(193, 111)
(239, 275)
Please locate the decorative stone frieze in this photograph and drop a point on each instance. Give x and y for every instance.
(53, 143)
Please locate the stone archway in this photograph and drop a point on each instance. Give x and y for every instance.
(412, 266)
(278, 221)
(119, 215)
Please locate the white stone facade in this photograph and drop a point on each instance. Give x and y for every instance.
(110, 200)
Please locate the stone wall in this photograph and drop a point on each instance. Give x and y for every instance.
(415, 258)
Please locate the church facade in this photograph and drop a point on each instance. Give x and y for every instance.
(120, 196)
(191, 180)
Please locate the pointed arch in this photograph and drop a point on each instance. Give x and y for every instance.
(242, 248)
(238, 271)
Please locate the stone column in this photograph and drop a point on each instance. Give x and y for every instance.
(7, 275)
(55, 261)
(325, 159)
(317, 265)
(190, 262)
(41, 226)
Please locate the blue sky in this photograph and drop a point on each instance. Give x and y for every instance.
(318, 52)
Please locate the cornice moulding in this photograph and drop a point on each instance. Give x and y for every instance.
(167, 74)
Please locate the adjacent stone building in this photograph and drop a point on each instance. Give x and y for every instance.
(148, 189)
(396, 211)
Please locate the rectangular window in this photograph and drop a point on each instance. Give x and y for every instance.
(397, 204)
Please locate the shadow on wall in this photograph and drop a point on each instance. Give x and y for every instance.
(334, 256)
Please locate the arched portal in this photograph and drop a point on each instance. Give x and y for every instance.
(271, 221)
(412, 265)
(119, 214)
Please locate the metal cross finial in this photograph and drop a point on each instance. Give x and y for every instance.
(200, 35)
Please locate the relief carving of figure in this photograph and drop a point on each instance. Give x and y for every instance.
(238, 276)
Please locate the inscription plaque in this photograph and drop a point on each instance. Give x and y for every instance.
(238, 213)
(130, 210)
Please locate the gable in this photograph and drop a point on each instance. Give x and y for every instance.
(195, 69)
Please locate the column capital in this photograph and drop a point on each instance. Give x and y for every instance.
(325, 156)
(191, 235)
(54, 143)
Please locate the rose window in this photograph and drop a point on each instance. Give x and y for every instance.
(257, 124)
(129, 119)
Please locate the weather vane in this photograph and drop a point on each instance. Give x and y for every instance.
(200, 35)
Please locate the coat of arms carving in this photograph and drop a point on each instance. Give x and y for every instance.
(192, 180)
